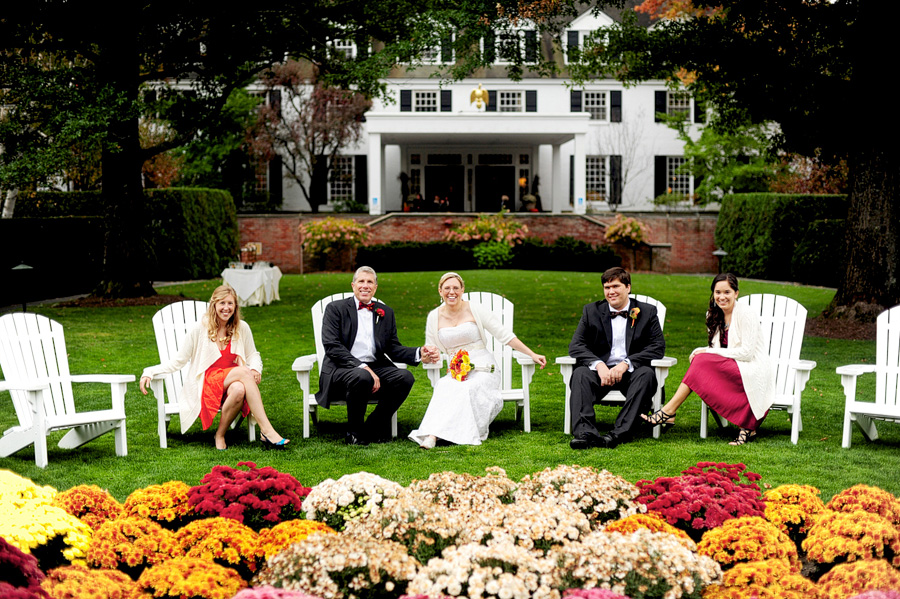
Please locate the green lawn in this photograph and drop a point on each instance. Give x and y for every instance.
(548, 305)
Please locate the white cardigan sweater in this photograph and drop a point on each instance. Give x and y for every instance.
(746, 346)
(201, 353)
(484, 319)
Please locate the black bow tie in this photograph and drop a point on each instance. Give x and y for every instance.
(623, 314)
(369, 307)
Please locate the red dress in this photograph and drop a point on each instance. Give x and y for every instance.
(214, 387)
(717, 380)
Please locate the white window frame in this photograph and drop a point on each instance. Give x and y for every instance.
(510, 101)
(345, 47)
(342, 179)
(581, 36)
(596, 174)
(679, 102)
(678, 183)
(433, 54)
(426, 100)
(596, 113)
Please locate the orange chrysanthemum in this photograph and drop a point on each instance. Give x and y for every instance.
(651, 521)
(848, 536)
(191, 577)
(224, 541)
(79, 582)
(748, 539)
(848, 580)
(273, 541)
(869, 499)
(130, 544)
(769, 579)
(90, 504)
(166, 503)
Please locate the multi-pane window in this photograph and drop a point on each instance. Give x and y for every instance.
(677, 182)
(425, 101)
(596, 104)
(596, 178)
(509, 47)
(509, 101)
(678, 103)
(341, 185)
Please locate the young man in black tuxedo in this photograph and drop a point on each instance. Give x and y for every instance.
(613, 345)
(361, 346)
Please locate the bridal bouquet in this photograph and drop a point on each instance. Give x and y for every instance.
(461, 366)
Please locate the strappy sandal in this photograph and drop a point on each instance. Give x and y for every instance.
(659, 417)
(745, 436)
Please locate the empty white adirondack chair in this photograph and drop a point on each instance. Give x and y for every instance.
(304, 364)
(503, 355)
(783, 321)
(887, 381)
(36, 370)
(662, 366)
(170, 326)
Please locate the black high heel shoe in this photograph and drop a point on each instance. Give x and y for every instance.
(659, 417)
(266, 444)
(745, 436)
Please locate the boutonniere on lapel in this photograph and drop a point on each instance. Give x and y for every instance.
(633, 315)
(379, 313)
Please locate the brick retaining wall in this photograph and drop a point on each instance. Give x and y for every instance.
(681, 242)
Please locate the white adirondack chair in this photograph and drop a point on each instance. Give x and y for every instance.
(503, 356)
(304, 364)
(36, 370)
(887, 381)
(783, 321)
(662, 366)
(171, 325)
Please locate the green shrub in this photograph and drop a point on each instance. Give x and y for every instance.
(819, 254)
(190, 233)
(492, 255)
(46, 204)
(760, 231)
(566, 253)
(413, 256)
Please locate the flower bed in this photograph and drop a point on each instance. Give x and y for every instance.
(564, 532)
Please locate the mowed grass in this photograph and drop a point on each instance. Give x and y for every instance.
(548, 306)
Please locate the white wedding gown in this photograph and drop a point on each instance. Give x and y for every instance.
(461, 411)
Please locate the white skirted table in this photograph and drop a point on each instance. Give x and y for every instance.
(255, 286)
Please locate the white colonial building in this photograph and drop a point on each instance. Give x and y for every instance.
(593, 147)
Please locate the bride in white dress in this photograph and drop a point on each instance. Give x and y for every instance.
(461, 411)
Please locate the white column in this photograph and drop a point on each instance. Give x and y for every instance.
(376, 167)
(579, 176)
(559, 197)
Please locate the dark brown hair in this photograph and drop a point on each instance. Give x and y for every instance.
(616, 273)
(715, 318)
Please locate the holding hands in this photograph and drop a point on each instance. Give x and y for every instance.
(430, 354)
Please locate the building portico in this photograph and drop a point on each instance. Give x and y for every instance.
(471, 159)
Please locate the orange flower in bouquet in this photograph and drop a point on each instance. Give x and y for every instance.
(461, 365)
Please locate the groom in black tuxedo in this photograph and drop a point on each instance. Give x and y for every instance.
(613, 346)
(361, 346)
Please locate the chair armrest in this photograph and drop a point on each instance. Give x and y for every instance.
(111, 379)
(664, 362)
(806, 365)
(35, 386)
(855, 369)
(523, 359)
(433, 366)
(304, 363)
(566, 360)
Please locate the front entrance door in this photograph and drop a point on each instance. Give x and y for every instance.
(446, 184)
(491, 184)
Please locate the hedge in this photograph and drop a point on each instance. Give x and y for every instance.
(566, 253)
(762, 233)
(65, 256)
(191, 233)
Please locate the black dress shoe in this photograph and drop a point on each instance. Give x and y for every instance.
(354, 439)
(584, 441)
(608, 441)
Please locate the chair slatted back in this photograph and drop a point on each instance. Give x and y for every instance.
(503, 308)
(783, 321)
(33, 348)
(170, 326)
(660, 307)
(318, 312)
(887, 358)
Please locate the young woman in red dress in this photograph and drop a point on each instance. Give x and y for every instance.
(224, 373)
(733, 375)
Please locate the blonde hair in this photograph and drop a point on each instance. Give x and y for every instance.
(212, 321)
(450, 275)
